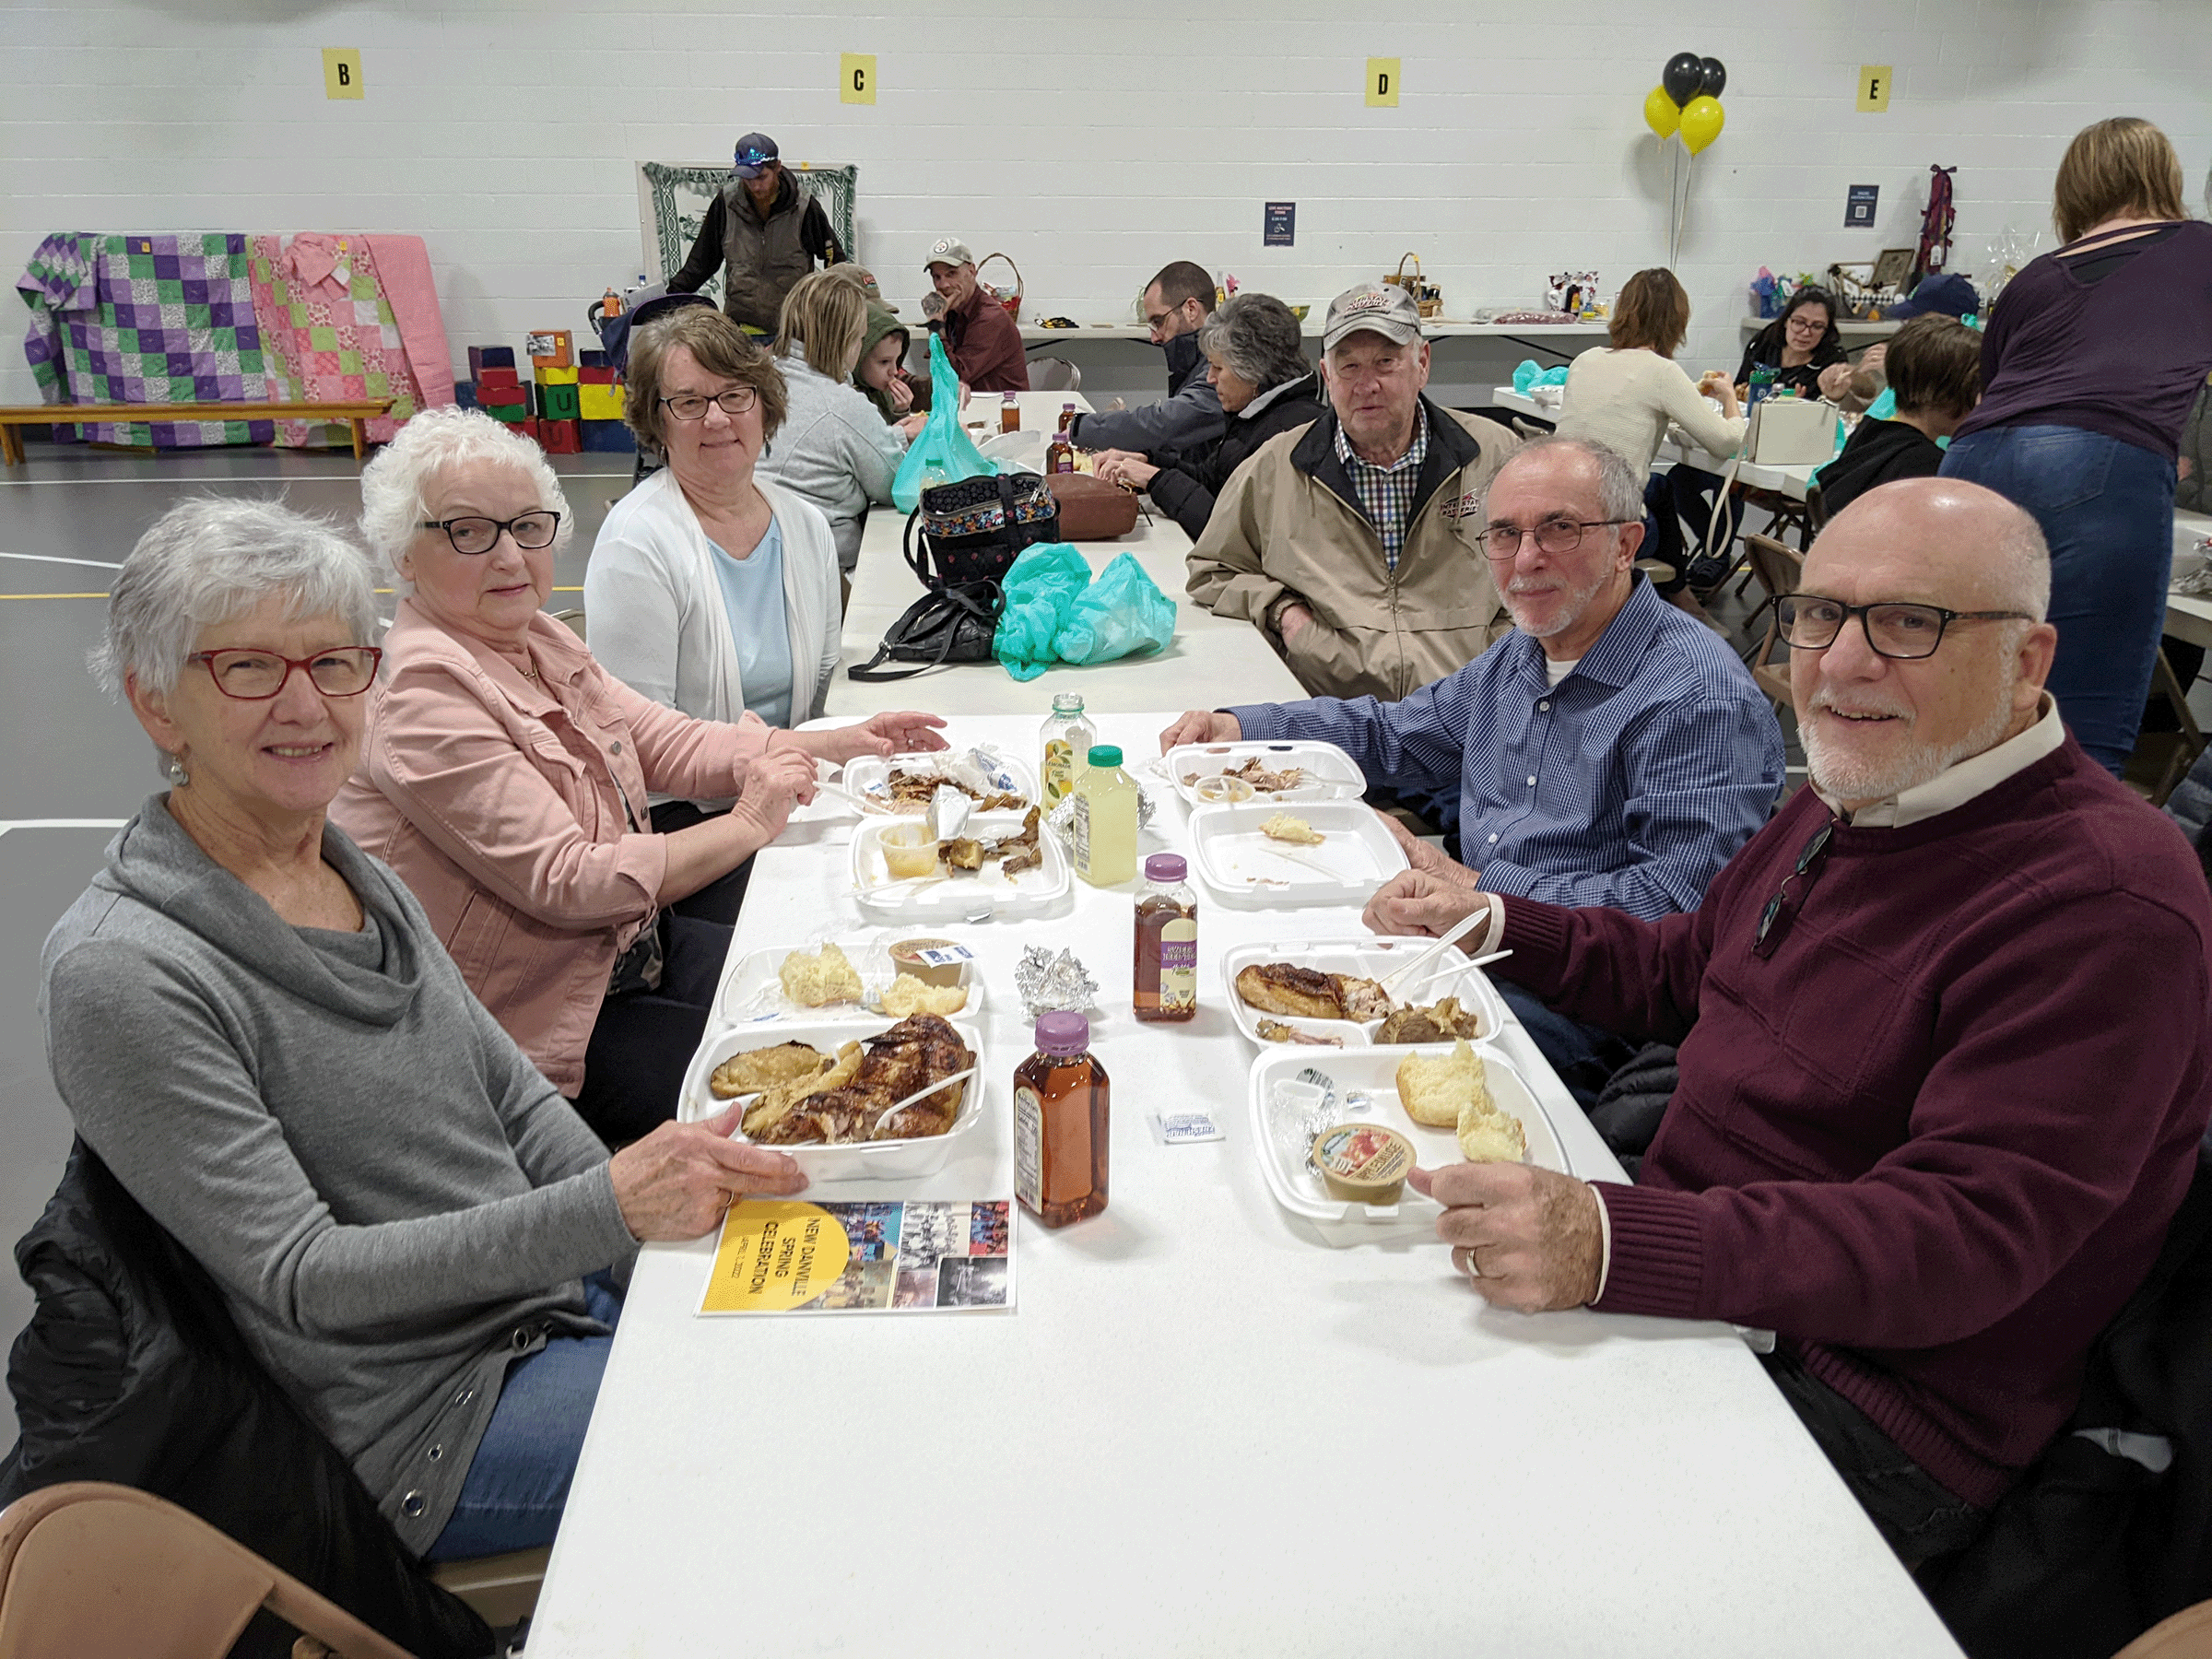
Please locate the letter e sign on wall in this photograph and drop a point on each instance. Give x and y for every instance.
(1382, 83)
(1873, 87)
(342, 71)
(856, 77)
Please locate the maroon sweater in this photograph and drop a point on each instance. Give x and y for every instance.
(1934, 1138)
(984, 345)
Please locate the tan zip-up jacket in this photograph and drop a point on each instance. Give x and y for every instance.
(1288, 525)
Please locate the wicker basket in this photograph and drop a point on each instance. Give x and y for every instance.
(1011, 301)
(1427, 296)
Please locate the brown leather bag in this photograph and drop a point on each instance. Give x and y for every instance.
(1092, 509)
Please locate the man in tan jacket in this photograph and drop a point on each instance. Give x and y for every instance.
(1356, 543)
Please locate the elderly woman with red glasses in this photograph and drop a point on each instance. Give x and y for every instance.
(505, 777)
(254, 1029)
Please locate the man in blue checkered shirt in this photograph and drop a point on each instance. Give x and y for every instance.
(1611, 750)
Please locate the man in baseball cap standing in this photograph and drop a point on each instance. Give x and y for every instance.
(981, 339)
(764, 232)
(1355, 543)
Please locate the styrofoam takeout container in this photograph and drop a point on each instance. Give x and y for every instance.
(1364, 1083)
(870, 775)
(987, 895)
(862, 1160)
(1450, 975)
(753, 993)
(1248, 870)
(1331, 774)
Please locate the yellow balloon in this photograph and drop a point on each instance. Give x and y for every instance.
(1661, 113)
(1701, 120)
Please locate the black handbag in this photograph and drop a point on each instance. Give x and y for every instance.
(949, 624)
(972, 530)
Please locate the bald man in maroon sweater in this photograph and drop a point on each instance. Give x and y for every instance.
(1942, 1028)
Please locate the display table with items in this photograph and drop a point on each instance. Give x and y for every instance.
(1234, 1411)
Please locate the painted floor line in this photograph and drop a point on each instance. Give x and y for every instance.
(98, 564)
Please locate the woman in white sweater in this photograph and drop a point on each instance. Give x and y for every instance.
(711, 589)
(834, 449)
(1625, 394)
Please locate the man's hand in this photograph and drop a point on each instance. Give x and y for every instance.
(1291, 621)
(1124, 466)
(1423, 855)
(1421, 902)
(1529, 1239)
(1201, 726)
(679, 1181)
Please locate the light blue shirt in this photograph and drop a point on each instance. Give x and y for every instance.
(1628, 785)
(752, 592)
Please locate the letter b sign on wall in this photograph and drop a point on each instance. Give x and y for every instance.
(1382, 83)
(856, 77)
(342, 71)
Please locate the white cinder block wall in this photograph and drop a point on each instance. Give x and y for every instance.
(1094, 142)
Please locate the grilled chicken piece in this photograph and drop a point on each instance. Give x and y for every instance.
(964, 853)
(1283, 988)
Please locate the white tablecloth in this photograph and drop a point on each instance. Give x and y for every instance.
(1211, 662)
(1202, 1431)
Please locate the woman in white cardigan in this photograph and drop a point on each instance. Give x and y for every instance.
(834, 449)
(1625, 394)
(711, 589)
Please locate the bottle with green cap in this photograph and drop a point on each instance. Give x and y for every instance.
(1105, 819)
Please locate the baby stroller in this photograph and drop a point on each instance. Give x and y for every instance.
(613, 339)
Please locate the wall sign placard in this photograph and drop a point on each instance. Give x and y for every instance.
(1858, 206)
(1279, 225)
(1873, 87)
(856, 77)
(1382, 83)
(341, 72)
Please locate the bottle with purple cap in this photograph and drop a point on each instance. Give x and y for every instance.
(1060, 1124)
(1166, 976)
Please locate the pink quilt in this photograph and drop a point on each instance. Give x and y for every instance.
(403, 265)
(320, 348)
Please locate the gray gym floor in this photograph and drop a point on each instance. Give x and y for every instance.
(66, 752)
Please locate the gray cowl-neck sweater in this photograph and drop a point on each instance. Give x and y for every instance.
(396, 1203)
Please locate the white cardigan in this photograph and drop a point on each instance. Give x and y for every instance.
(653, 610)
(1625, 399)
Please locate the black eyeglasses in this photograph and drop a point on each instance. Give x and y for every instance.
(1553, 535)
(473, 535)
(1764, 941)
(1906, 632)
(253, 675)
(692, 405)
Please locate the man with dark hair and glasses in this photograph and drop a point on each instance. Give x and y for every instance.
(1611, 750)
(1942, 1028)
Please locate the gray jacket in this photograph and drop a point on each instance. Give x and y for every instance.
(1189, 416)
(834, 450)
(396, 1203)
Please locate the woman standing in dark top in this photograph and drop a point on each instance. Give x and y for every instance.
(1796, 346)
(2092, 359)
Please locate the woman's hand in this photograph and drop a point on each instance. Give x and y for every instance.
(677, 1182)
(899, 730)
(775, 781)
(912, 425)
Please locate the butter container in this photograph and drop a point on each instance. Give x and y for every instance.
(1363, 1163)
(933, 962)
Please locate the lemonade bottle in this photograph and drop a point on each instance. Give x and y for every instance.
(1105, 819)
(1067, 738)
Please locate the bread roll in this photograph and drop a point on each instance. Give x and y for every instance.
(909, 994)
(1435, 1089)
(813, 978)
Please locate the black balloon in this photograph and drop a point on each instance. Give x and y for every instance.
(1713, 79)
(1683, 77)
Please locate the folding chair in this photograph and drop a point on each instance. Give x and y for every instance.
(89, 1569)
(1055, 374)
(1776, 569)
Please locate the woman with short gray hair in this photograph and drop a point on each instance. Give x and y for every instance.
(253, 1026)
(1257, 361)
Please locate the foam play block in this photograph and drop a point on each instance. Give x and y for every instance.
(560, 437)
(529, 430)
(612, 436)
(503, 397)
(512, 414)
(600, 403)
(557, 402)
(547, 374)
(499, 377)
(550, 347)
(481, 358)
(592, 375)
(464, 394)
(590, 359)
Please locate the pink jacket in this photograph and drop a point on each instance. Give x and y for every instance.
(501, 805)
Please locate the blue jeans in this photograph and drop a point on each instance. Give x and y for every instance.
(1583, 1055)
(518, 1482)
(2106, 509)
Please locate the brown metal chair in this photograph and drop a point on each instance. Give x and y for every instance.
(1776, 569)
(92, 1570)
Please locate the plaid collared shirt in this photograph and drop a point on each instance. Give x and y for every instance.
(1386, 492)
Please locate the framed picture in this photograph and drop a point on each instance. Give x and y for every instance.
(1892, 269)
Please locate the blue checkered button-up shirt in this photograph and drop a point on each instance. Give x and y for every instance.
(1628, 784)
(1386, 492)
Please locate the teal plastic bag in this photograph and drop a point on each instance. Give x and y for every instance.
(942, 452)
(1122, 614)
(1040, 589)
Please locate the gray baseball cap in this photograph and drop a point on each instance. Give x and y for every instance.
(950, 251)
(1382, 308)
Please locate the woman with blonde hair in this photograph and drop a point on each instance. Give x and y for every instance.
(834, 449)
(2090, 364)
(1626, 393)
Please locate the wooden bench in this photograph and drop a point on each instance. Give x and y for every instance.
(357, 414)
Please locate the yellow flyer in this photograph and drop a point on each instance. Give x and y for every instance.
(911, 1256)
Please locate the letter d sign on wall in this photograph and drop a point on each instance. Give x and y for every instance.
(1382, 83)
(856, 78)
